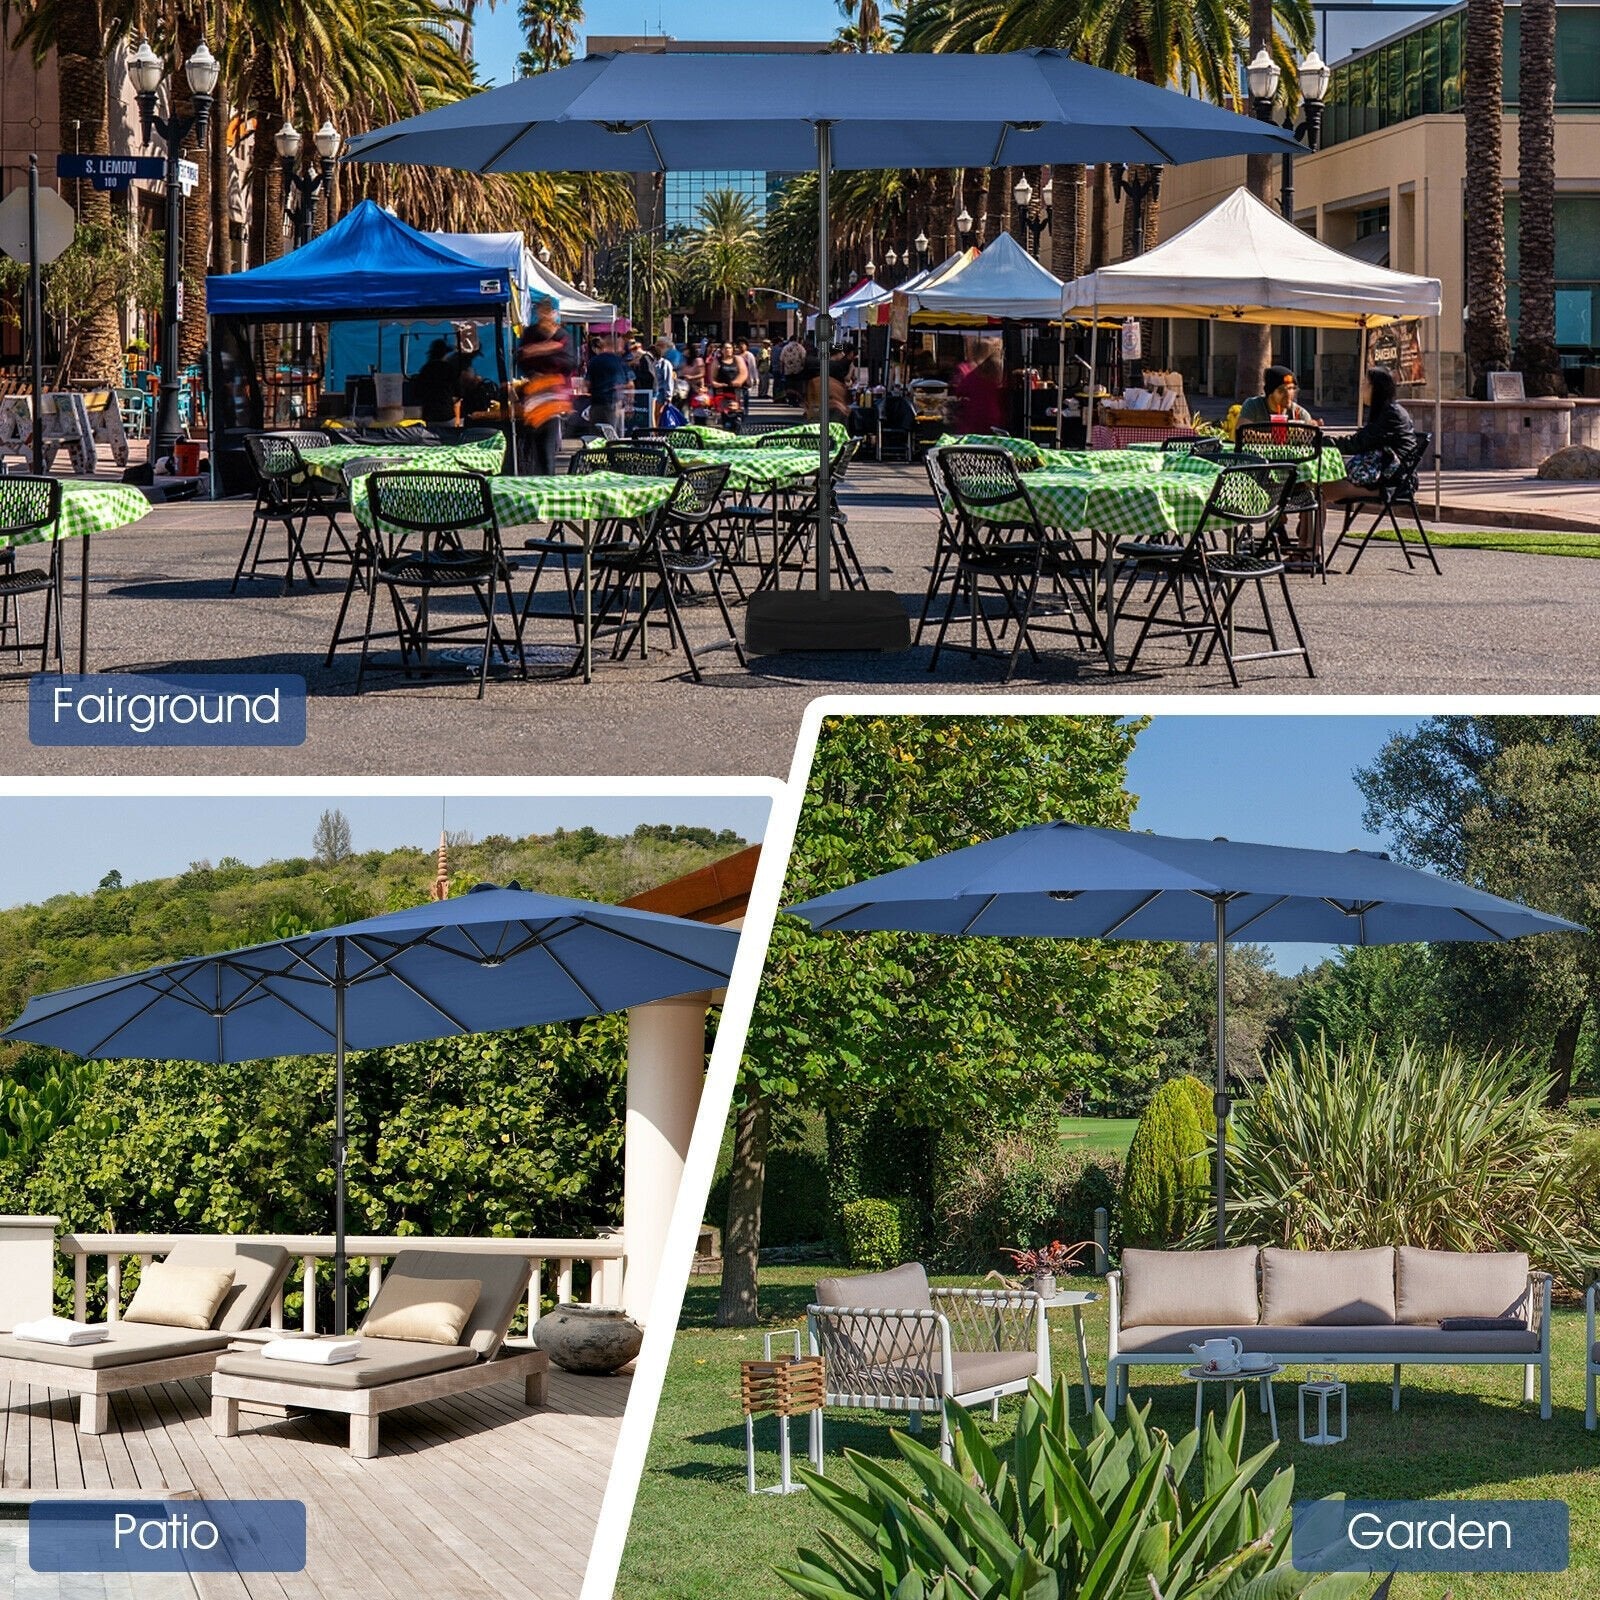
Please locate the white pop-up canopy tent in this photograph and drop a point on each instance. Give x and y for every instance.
(1002, 280)
(572, 304)
(1243, 262)
(854, 310)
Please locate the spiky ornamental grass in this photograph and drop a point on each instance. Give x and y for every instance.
(1342, 1149)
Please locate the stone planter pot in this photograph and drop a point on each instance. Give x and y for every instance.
(1043, 1284)
(589, 1339)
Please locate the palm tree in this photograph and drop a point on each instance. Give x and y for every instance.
(1537, 354)
(723, 255)
(551, 29)
(1487, 339)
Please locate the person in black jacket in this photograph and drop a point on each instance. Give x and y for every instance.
(1387, 435)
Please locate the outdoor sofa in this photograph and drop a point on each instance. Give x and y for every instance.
(889, 1342)
(138, 1353)
(1383, 1307)
(453, 1356)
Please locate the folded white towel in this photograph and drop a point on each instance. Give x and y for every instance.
(314, 1352)
(62, 1330)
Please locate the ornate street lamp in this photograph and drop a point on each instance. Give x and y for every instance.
(964, 222)
(1035, 221)
(1263, 80)
(302, 188)
(921, 242)
(1139, 188)
(146, 70)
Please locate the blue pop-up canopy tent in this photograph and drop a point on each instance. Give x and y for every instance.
(369, 265)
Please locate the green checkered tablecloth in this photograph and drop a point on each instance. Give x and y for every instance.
(720, 439)
(1329, 467)
(589, 497)
(1118, 505)
(760, 471)
(482, 455)
(1123, 461)
(89, 508)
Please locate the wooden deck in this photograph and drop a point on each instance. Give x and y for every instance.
(471, 1497)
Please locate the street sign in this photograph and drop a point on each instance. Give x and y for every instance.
(56, 224)
(188, 176)
(111, 172)
(788, 305)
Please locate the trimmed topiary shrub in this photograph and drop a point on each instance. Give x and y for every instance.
(1163, 1181)
(879, 1234)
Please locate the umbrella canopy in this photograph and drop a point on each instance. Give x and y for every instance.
(834, 110)
(1244, 262)
(1002, 280)
(490, 959)
(1061, 880)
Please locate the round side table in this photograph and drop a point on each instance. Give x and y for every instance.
(1263, 1376)
(1076, 1300)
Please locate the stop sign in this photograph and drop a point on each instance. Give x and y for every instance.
(56, 224)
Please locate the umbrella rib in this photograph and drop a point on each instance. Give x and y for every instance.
(156, 997)
(1266, 910)
(644, 944)
(971, 921)
(834, 921)
(1477, 922)
(1128, 916)
(1165, 155)
(428, 1000)
(572, 978)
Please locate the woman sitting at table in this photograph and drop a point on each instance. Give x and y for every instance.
(1279, 398)
(1379, 444)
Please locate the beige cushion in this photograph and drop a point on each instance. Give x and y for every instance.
(129, 1343)
(1432, 1284)
(1309, 1344)
(381, 1361)
(502, 1285)
(988, 1369)
(178, 1297)
(258, 1273)
(880, 1341)
(1192, 1287)
(425, 1310)
(1326, 1288)
(903, 1288)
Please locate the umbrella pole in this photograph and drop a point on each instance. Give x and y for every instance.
(1094, 357)
(1061, 376)
(1221, 1101)
(340, 1309)
(824, 355)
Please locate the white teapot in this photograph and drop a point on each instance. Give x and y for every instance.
(1219, 1353)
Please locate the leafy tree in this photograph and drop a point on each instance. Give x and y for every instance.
(1258, 998)
(723, 255)
(944, 1031)
(112, 880)
(1511, 804)
(1380, 994)
(330, 843)
(551, 29)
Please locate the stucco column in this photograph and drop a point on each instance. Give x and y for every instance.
(27, 1269)
(666, 1072)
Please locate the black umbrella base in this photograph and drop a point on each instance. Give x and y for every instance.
(844, 619)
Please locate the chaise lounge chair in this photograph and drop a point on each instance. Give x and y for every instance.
(137, 1353)
(450, 1357)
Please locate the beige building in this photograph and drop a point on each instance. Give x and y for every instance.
(1389, 185)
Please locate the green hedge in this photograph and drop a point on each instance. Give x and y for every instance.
(879, 1234)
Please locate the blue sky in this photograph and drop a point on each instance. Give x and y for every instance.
(76, 841)
(1269, 780)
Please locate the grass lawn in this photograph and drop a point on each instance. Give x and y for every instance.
(1518, 543)
(1462, 1432)
(1103, 1136)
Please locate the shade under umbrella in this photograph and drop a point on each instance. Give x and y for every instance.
(490, 959)
(646, 112)
(1062, 880)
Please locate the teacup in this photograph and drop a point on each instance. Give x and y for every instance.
(1255, 1360)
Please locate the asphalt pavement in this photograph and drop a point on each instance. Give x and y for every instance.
(1492, 624)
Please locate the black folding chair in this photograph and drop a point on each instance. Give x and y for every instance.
(364, 547)
(1398, 487)
(1245, 507)
(30, 506)
(1004, 548)
(679, 546)
(434, 533)
(947, 540)
(1206, 449)
(1299, 444)
(897, 428)
(283, 498)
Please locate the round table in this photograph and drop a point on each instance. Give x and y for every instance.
(1075, 1300)
(1263, 1376)
(761, 471)
(487, 455)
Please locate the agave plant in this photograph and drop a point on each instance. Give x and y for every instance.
(1110, 1515)
(1341, 1149)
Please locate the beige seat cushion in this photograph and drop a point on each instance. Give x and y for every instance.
(258, 1273)
(1192, 1287)
(129, 1342)
(1298, 1344)
(381, 1361)
(502, 1278)
(988, 1369)
(874, 1343)
(425, 1310)
(1326, 1288)
(1433, 1284)
(177, 1296)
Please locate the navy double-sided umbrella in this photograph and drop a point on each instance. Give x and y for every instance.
(1061, 880)
(489, 959)
(840, 110)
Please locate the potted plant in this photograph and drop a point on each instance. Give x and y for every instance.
(1039, 1264)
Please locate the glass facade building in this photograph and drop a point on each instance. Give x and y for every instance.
(683, 192)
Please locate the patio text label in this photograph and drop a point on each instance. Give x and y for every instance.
(167, 1536)
(1430, 1536)
(127, 709)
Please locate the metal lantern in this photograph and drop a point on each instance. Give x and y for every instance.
(1322, 1388)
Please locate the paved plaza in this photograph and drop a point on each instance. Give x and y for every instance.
(1494, 623)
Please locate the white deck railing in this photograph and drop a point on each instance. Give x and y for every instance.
(553, 1263)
